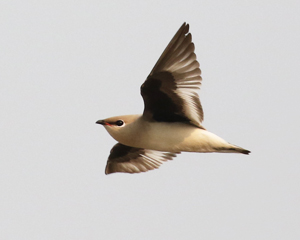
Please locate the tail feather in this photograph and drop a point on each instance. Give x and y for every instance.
(242, 150)
(233, 149)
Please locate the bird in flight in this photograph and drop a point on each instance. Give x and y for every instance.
(171, 121)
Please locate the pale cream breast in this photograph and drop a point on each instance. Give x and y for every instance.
(175, 137)
(165, 136)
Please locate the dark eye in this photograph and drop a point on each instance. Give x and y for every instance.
(119, 123)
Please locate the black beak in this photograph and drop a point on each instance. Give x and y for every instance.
(102, 122)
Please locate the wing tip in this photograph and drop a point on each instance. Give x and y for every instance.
(185, 27)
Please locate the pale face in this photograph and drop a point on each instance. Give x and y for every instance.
(119, 127)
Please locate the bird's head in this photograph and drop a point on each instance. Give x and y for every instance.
(120, 127)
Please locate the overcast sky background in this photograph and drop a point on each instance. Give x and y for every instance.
(66, 64)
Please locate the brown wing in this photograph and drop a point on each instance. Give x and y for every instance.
(134, 160)
(170, 91)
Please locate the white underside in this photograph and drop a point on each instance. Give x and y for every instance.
(169, 137)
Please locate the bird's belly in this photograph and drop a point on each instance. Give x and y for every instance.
(177, 137)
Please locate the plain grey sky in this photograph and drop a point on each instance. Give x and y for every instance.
(66, 64)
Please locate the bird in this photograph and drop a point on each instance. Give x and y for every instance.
(172, 119)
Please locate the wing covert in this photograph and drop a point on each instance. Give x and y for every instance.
(170, 90)
(127, 159)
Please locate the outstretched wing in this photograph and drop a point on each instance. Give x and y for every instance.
(134, 160)
(170, 91)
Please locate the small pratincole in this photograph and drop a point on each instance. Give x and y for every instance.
(171, 121)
